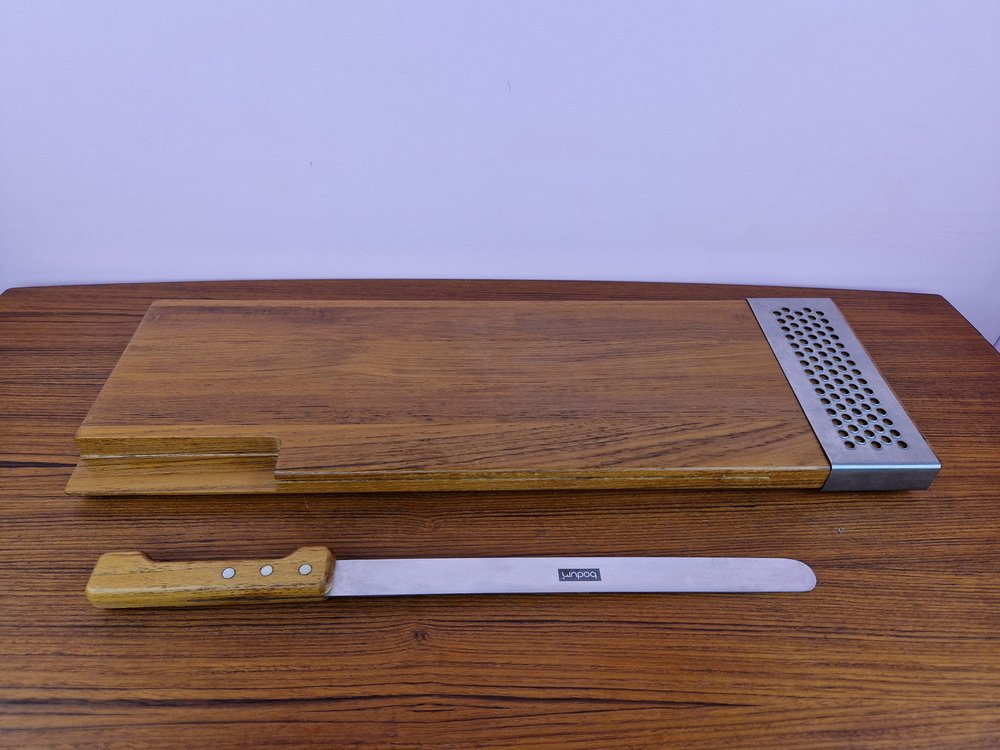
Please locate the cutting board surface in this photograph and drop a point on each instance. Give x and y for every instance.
(235, 396)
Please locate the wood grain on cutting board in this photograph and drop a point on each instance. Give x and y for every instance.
(302, 396)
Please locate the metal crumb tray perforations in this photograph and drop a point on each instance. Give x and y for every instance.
(869, 439)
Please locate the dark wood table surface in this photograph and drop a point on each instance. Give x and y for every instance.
(897, 647)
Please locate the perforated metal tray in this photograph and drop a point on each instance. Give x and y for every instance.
(869, 439)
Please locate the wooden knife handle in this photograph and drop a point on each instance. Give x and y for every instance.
(130, 579)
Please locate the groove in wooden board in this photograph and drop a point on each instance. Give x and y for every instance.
(394, 393)
(703, 479)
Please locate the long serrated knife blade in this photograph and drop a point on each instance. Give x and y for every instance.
(548, 575)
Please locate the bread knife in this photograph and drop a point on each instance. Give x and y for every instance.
(131, 579)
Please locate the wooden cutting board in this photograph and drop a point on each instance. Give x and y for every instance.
(314, 396)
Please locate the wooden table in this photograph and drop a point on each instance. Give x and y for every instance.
(898, 646)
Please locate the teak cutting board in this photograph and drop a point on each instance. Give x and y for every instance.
(307, 396)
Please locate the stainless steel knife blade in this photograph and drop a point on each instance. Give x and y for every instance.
(567, 575)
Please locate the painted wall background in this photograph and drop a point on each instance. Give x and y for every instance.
(844, 144)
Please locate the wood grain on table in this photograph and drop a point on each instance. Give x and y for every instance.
(897, 647)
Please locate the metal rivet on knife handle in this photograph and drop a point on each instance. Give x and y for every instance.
(131, 579)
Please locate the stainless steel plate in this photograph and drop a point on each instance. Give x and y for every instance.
(869, 439)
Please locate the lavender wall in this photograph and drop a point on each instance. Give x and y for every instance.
(852, 144)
